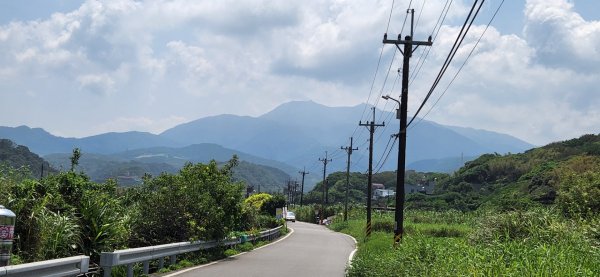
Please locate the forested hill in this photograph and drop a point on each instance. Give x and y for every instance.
(561, 171)
(18, 156)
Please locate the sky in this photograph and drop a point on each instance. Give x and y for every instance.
(80, 68)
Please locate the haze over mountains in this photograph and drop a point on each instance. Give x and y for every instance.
(291, 136)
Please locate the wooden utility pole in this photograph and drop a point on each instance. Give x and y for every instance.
(371, 126)
(407, 53)
(303, 172)
(349, 150)
(324, 200)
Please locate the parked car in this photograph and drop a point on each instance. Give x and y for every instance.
(290, 216)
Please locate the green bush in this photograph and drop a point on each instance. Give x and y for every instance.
(306, 213)
(245, 247)
(231, 252)
(579, 195)
(541, 225)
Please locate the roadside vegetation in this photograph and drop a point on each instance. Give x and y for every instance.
(531, 214)
(537, 242)
(65, 214)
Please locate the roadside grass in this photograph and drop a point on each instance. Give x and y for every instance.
(536, 243)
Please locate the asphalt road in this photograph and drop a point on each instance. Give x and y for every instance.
(311, 250)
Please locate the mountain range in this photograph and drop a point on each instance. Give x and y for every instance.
(292, 136)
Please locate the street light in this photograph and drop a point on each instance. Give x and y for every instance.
(400, 193)
(387, 97)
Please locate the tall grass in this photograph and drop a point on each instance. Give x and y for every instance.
(535, 243)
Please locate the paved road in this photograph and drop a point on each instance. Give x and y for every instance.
(311, 250)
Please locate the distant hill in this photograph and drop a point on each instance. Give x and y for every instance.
(101, 167)
(18, 156)
(445, 165)
(202, 152)
(129, 167)
(299, 132)
(43, 143)
(292, 136)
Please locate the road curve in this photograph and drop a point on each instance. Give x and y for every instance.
(311, 250)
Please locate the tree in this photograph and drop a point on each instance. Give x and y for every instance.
(75, 158)
(200, 202)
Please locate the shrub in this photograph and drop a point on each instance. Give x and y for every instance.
(540, 225)
(231, 252)
(579, 195)
(245, 247)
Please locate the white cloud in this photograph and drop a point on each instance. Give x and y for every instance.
(144, 61)
(142, 124)
(100, 84)
(513, 86)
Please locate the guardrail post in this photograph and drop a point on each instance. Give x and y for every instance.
(106, 271)
(146, 267)
(173, 259)
(130, 270)
(161, 262)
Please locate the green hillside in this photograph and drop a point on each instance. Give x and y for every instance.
(130, 172)
(19, 156)
(514, 181)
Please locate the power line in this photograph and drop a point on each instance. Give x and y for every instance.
(441, 19)
(390, 17)
(405, 17)
(386, 156)
(385, 149)
(464, 63)
(459, 39)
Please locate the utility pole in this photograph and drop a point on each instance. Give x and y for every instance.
(371, 126)
(408, 43)
(294, 191)
(349, 150)
(324, 201)
(288, 193)
(303, 172)
(327, 191)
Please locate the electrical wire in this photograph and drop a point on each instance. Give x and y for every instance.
(386, 156)
(421, 61)
(406, 17)
(464, 62)
(459, 39)
(383, 153)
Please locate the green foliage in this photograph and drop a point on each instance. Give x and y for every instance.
(200, 202)
(59, 235)
(454, 243)
(105, 224)
(19, 157)
(540, 225)
(231, 252)
(256, 201)
(75, 158)
(66, 214)
(245, 247)
(306, 213)
(579, 195)
(269, 207)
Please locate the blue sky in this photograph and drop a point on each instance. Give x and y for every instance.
(79, 68)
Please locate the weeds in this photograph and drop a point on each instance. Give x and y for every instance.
(533, 243)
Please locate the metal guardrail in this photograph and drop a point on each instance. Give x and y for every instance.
(129, 257)
(71, 266)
